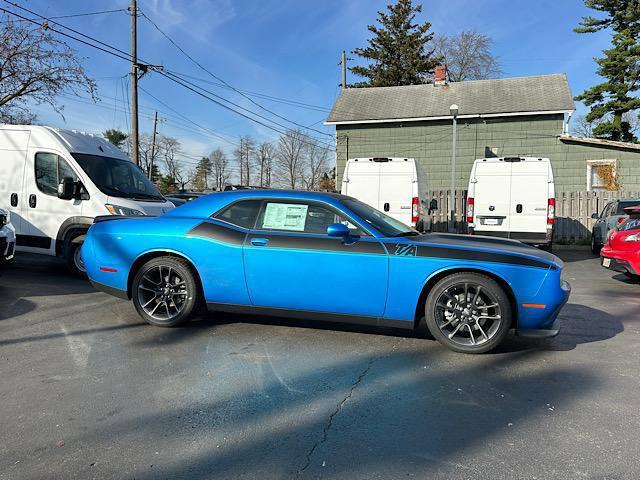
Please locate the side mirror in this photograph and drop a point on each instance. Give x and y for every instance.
(433, 204)
(594, 216)
(67, 188)
(339, 230)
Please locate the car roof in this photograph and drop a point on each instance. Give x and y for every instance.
(206, 205)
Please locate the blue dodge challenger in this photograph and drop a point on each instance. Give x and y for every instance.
(324, 257)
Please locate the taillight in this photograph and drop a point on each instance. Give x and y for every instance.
(470, 203)
(622, 219)
(415, 209)
(551, 211)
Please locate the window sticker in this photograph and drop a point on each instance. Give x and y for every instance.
(285, 216)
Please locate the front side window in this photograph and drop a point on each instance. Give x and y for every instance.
(242, 214)
(50, 170)
(388, 226)
(301, 217)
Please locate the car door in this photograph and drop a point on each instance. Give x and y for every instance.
(291, 263)
(44, 212)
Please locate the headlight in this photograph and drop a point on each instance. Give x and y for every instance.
(124, 211)
(633, 238)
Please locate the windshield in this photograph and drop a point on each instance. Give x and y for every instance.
(118, 178)
(389, 227)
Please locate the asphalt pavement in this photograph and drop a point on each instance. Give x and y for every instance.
(89, 391)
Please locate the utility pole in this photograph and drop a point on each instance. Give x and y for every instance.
(134, 83)
(343, 62)
(453, 109)
(153, 143)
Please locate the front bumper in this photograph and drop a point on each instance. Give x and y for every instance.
(550, 332)
(550, 327)
(7, 244)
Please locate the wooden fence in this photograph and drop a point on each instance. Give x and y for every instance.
(573, 212)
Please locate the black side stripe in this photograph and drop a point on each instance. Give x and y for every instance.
(474, 255)
(320, 243)
(217, 232)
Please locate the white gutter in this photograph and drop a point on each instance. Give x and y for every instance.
(450, 117)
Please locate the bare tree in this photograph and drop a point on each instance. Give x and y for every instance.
(584, 128)
(168, 149)
(220, 169)
(264, 159)
(468, 56)
(289, 157)
(244, 155)
(36, 67)
(315, 163)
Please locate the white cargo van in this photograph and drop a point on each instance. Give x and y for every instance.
(54, 182)
(394, 186)
(512, 197)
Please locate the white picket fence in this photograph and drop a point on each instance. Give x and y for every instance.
(573, 211)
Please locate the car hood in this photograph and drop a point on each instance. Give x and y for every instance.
(475, 242)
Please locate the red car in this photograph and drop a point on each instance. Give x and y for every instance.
(622, 250)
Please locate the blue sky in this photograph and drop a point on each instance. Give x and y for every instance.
(289, 49)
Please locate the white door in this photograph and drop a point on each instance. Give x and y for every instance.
(529, 197)
(492, 196)
(44, 211)
(397, 182)
(363, 182)
(13, 154)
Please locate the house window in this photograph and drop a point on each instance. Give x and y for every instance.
(601, 175)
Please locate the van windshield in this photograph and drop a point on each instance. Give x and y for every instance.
(389, 227)
(118, 178)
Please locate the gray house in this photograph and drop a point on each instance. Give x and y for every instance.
(502, 117)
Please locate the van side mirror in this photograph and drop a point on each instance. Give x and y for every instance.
(339, 230)
(433, 204)
(594, 216)
(67, 188)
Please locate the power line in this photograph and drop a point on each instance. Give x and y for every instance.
(84, 14)
(223, 81)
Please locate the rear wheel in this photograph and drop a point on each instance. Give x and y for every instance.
(468, 313)
(165, 292)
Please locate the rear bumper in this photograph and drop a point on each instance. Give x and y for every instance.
(618, 265)
(533, 238)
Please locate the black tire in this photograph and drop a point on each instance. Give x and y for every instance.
(595, 246)
(168, 285)
(75, 264)
(468, 311)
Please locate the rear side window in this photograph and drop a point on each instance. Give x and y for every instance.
(301, 218)
(50, 169)
(243, 213)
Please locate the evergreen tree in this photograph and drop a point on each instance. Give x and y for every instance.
(399, 51)
(115, 136)
(620, 67)
(203, 174)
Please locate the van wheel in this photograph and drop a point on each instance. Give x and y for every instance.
(75, 264)
(595, 247)
(468, 313)
(165, 292)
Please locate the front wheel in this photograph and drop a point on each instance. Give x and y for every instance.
(165, 292)
(595, 247)
(74, 260)
(468, 313)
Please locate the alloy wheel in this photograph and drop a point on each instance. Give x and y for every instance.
(162, 293)
(467, 314)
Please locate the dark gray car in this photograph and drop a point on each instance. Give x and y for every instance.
(611, 215)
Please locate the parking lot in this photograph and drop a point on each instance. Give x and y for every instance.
(88, 391)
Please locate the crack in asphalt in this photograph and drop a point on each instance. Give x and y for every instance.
(327, 427)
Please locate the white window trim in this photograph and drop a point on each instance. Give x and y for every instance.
(592, 163)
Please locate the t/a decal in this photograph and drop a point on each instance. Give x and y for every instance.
(404, 250)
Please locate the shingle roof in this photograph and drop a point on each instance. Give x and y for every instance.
(600, 142)
(543, 93)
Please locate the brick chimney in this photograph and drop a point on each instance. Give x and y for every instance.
(440, 76)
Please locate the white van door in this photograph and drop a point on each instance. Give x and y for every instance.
(44, 211)
(13, 155)
(529, 196)
(362, 181)
(492, 196)
(398, 183)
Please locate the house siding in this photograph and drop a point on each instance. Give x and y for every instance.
(429, 143)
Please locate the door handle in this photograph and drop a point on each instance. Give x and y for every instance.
(519, 208)
(32, 201)
(259, 242)
(14, 199)
(386, 207)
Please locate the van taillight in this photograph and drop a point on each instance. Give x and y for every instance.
(551, 211)
(415, 212)
(470, 204)
(622, 219)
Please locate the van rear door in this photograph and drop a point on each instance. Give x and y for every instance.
(398, 186)
(492, 195)
(362, 181)
(529, 196)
